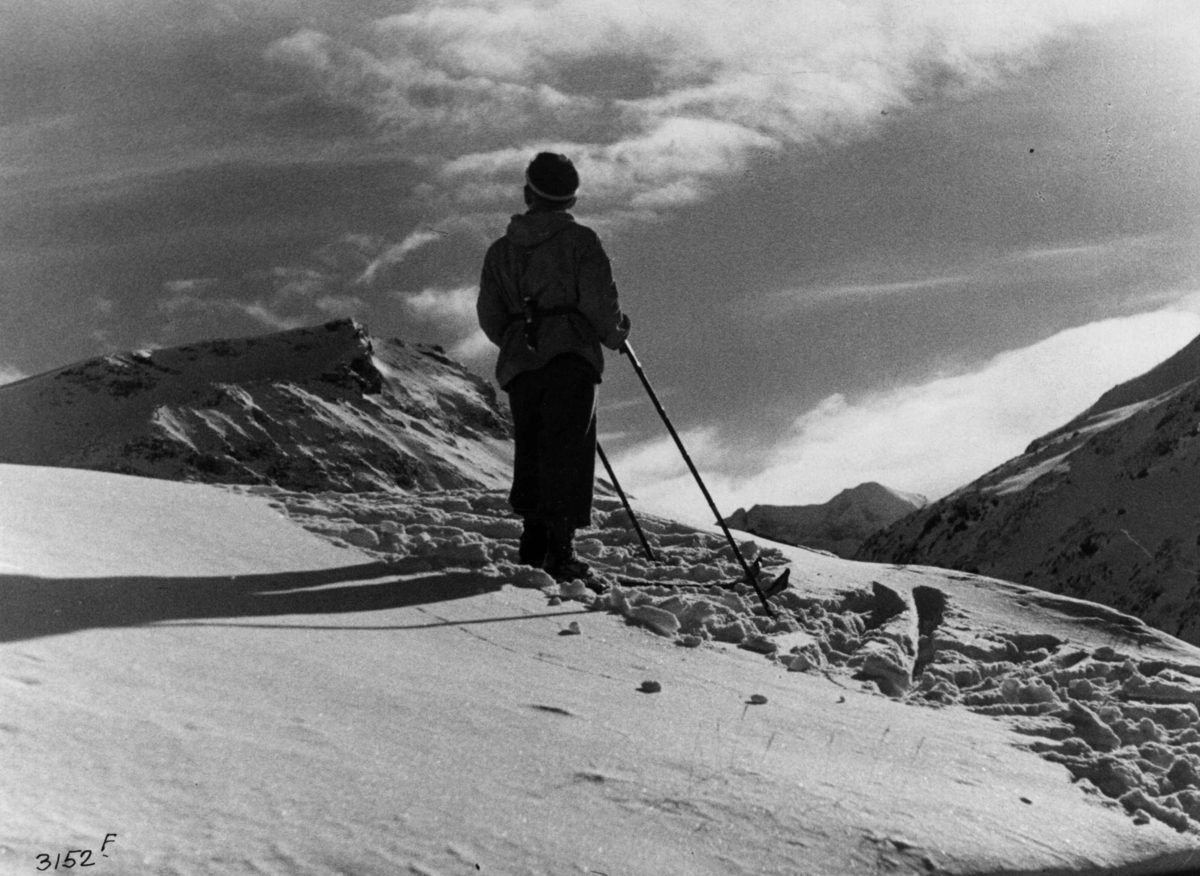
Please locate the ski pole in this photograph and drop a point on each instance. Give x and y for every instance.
(751, 572)
(624, 501)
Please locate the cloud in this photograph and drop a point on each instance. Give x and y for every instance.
(668, 165)
(451, 307)
(928, 438)
(475, 349)
(340, 305)
(259, 313)
(451, 312)
(1030, 267)
(396, 253)
(337, 280)
(657, 475)
(872, 290)
(9, 374)
(659, 102)
(278, 299)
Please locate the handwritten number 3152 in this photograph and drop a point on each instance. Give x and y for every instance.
(85, 860)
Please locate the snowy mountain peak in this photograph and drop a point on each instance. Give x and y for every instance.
(318, 408)
(877, 500)
(838, 526)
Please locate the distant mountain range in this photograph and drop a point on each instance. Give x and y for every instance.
(1105, 508)
(321, 408)
(838, 526)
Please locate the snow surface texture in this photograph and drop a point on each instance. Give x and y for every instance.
(1125, 725)
(325, 407)
(1102, 509)
(839, 526)
(187, 669)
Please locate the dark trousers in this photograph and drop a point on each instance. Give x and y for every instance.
(554, 421)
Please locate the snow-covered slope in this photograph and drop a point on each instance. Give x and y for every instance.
(193, 684)
(1104, 508)
(1181, 368)
(839, 526)
(321, 408)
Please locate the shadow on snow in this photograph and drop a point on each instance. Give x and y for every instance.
(37, 606)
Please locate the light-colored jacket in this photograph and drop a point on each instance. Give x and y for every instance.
(560, 264)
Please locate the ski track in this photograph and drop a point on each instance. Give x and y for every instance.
(1127, 729)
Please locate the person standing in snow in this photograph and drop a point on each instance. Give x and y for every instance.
(547, 299)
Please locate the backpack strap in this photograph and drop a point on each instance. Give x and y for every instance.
(531, 314)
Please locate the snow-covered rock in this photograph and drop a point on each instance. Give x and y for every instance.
(320, 408)
(1103, 508)
(839, 526)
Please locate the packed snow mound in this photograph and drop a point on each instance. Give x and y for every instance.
(1121, 717)
(839, 526)
(1103, 509)
(325, 408)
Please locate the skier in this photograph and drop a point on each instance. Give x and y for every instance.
(547, 299)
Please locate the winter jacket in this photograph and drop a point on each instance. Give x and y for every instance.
(562, 266)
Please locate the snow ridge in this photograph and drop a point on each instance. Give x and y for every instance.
(325, 407)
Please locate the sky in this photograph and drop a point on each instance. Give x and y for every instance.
(890, 241)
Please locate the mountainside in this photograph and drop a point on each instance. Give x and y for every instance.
(320, 408)
(1104, 508)
(838, 526)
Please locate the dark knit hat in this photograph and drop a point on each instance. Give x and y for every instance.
(552, 177)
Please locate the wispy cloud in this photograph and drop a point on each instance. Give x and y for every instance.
(259, 313)
(1063, 252)
(393, 255)
(1032, 267)
(347, 277)
(932, 437)
(658, 101)
(872, 290)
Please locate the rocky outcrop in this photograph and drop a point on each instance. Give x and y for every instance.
(320, 408)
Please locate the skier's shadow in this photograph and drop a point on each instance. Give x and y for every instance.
(31, 607)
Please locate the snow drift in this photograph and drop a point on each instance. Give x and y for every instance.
(320, 408)
(1103, 508)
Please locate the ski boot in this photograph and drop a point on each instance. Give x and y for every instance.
(562, 563)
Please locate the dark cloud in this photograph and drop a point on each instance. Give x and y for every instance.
(118, 86)
(301, 200)
(251, 229)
